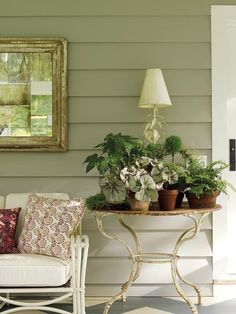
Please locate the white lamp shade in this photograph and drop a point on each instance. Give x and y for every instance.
(154, 92)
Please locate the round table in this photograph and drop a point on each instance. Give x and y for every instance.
(139, 257)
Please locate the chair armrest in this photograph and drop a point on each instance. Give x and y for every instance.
(82, 241)
(79, 242)
(79, 254)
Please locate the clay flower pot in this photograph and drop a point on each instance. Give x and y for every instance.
(137, 205)
(202, 201)
(167, 199)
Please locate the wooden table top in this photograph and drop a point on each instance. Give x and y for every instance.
(185, 210)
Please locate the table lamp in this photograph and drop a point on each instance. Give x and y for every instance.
(154, 95)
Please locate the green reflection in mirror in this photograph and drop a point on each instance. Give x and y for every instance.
(26, 94)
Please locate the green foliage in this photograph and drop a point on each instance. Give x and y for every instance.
(201, 179)
(40, 66)
(165, 175)
(144, 187)
(116, 142)
(41, 105)
(178, 177)
(138, 179)
(97, 201)
(39, 126)
(187, 155)
(119, 151)
(113, 188)
(115, 149)
(156, 150)
(127, 164)
(173, 145)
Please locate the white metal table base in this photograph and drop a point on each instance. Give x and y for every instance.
(139, 257)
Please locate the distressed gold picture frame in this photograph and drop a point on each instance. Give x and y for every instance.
(33, 94)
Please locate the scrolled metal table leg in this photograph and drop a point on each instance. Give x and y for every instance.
(138, 250)
(187, 235)
(134, 266)
(179, 289)
(198, 291)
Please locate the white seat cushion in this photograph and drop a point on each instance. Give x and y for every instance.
(31, 270)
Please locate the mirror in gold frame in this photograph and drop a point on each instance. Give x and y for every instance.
(33, 94)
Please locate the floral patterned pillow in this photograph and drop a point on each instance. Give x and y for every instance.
(8, 221)
(48, 226)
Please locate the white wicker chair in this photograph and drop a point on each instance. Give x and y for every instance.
(37, 274)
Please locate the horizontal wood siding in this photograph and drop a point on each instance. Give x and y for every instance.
(152, 241)
(111, 28)
(170, 55)
(110, 8)
(129, 82)
(124, 110)
(110, 44)
(75, 186)
(142, 224)
(86, 136)
(64, 165)
(101, 271)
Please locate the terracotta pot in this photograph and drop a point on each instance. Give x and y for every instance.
(138, 205)
(202, 201)
(167, 199)
(179, 200)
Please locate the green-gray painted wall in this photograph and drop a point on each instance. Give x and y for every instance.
(111, 43)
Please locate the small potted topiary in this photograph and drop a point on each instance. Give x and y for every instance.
(174, 145)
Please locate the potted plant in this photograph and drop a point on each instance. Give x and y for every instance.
(124, 166)
(141, 187)
(133, 170)
(166, 177)
(133, 183)
(173, 146)
(204, 183)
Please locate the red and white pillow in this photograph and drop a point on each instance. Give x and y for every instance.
(48, 226)
(8, 221)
